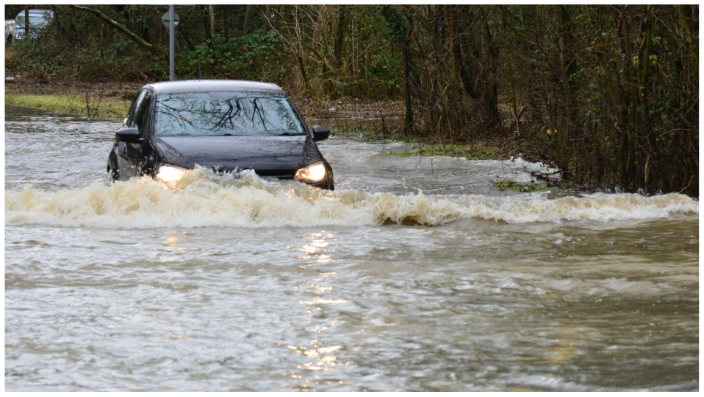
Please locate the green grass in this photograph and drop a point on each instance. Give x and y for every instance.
(113, 109)
(470, 151)
(515, 186)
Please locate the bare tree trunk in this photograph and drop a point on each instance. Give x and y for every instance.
(457, 61)
(224, 22)
(340, 36)
(303, 72)
(685, 26)
(492, 98)
(327, 79)
(266, 15)
(247, 19)
(211, 14)
(569, 66)
(627, 139)
(206, 26)
(405, 52)
(643, 80)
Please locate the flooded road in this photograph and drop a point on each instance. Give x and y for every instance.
(416, 274)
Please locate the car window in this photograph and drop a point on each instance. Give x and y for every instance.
(220, 113)
(142, 115)
(133, 109)
(35, 19)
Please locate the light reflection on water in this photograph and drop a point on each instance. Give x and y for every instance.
(469, 305)
(320, 354)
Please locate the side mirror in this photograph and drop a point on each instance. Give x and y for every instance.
(129, 135)
(320, 133)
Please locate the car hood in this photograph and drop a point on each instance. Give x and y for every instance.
(274, 155)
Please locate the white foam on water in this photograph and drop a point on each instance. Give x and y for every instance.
(604, 287)
(245, 200)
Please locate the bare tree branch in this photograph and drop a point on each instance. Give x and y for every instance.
(118, 26)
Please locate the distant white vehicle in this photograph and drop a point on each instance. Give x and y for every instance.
(38, 20)
(10, 30)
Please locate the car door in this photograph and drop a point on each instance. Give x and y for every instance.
(128, 153)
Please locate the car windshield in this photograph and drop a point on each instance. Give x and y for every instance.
(221, 113)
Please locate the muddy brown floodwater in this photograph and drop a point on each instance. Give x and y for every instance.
(416, 274)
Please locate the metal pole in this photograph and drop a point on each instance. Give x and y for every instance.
(171, 40)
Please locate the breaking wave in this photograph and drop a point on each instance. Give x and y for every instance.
(245, 200)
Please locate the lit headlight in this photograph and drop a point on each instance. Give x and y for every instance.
(312, 173)
(169, 173)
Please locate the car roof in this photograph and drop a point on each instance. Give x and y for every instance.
(184, 86)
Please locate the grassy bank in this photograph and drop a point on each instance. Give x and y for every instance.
(104, 108)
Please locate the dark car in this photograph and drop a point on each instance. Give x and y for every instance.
(223, 125)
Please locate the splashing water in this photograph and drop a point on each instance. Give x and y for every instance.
(245, 200)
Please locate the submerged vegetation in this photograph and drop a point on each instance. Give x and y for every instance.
(521, 187)
(470, 151)
(607, 94)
